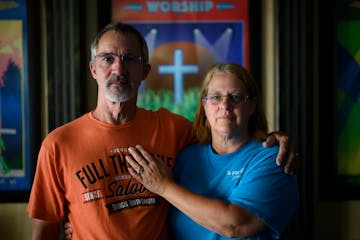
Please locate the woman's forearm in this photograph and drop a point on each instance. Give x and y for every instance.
(226, 219)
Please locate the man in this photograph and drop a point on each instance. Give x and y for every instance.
(82, 172)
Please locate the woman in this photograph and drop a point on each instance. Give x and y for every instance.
(227, 185)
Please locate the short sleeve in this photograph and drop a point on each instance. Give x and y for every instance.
(266, 191)
(47, 194)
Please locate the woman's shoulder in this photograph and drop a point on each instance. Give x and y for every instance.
(193, 148)
(257, 146)
(258, 154)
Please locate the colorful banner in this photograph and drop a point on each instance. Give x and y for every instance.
(185, 38)
(179, 11)
(14, 172)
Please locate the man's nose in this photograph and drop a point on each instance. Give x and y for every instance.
(118, 66)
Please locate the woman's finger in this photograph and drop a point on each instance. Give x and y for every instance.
(147, 156)
(138, 157)
(135, 167)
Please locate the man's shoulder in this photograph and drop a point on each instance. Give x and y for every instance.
(171, 124)
(164, 114)
(68, 128)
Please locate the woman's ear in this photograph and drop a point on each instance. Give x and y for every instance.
(253, 102)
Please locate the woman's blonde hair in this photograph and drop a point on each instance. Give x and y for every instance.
(257, 122)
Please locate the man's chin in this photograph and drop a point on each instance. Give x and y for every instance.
(119, 98)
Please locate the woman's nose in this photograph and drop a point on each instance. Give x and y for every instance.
(225, 102)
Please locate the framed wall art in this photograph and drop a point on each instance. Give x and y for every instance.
(185, 38)
(16, 121)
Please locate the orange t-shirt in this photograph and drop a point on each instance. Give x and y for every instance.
(82, 174)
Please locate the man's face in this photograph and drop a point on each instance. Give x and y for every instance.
(118, 67)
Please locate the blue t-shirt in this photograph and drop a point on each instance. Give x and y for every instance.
(248, 177)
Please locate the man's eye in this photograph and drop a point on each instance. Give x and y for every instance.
(128, 58)
(108, 58)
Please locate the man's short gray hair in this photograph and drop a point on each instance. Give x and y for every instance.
(122, 28)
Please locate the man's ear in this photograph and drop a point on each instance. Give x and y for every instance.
(147, 69)
(92, 69)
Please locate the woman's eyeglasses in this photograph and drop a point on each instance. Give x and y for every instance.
(234, 99)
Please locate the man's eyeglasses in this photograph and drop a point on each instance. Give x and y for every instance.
(108, 59)
(234, 99)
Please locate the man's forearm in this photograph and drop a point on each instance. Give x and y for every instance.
(44, 230)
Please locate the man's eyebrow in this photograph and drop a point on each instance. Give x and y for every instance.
(105, 53)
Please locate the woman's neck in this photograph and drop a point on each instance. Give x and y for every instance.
(223, 144)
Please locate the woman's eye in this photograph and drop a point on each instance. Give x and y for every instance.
(235, 98)
(216, 98)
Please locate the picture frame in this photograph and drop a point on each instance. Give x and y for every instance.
(20, 99)
(340, 132)
(202, 33)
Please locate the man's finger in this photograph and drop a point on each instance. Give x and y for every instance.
(269, 141)
(293, 163)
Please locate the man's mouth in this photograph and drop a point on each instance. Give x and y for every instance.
(118, 80)
(124, 81)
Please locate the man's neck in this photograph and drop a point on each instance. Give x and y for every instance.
(115, 113)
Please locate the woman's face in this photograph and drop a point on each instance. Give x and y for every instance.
(226, 105)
